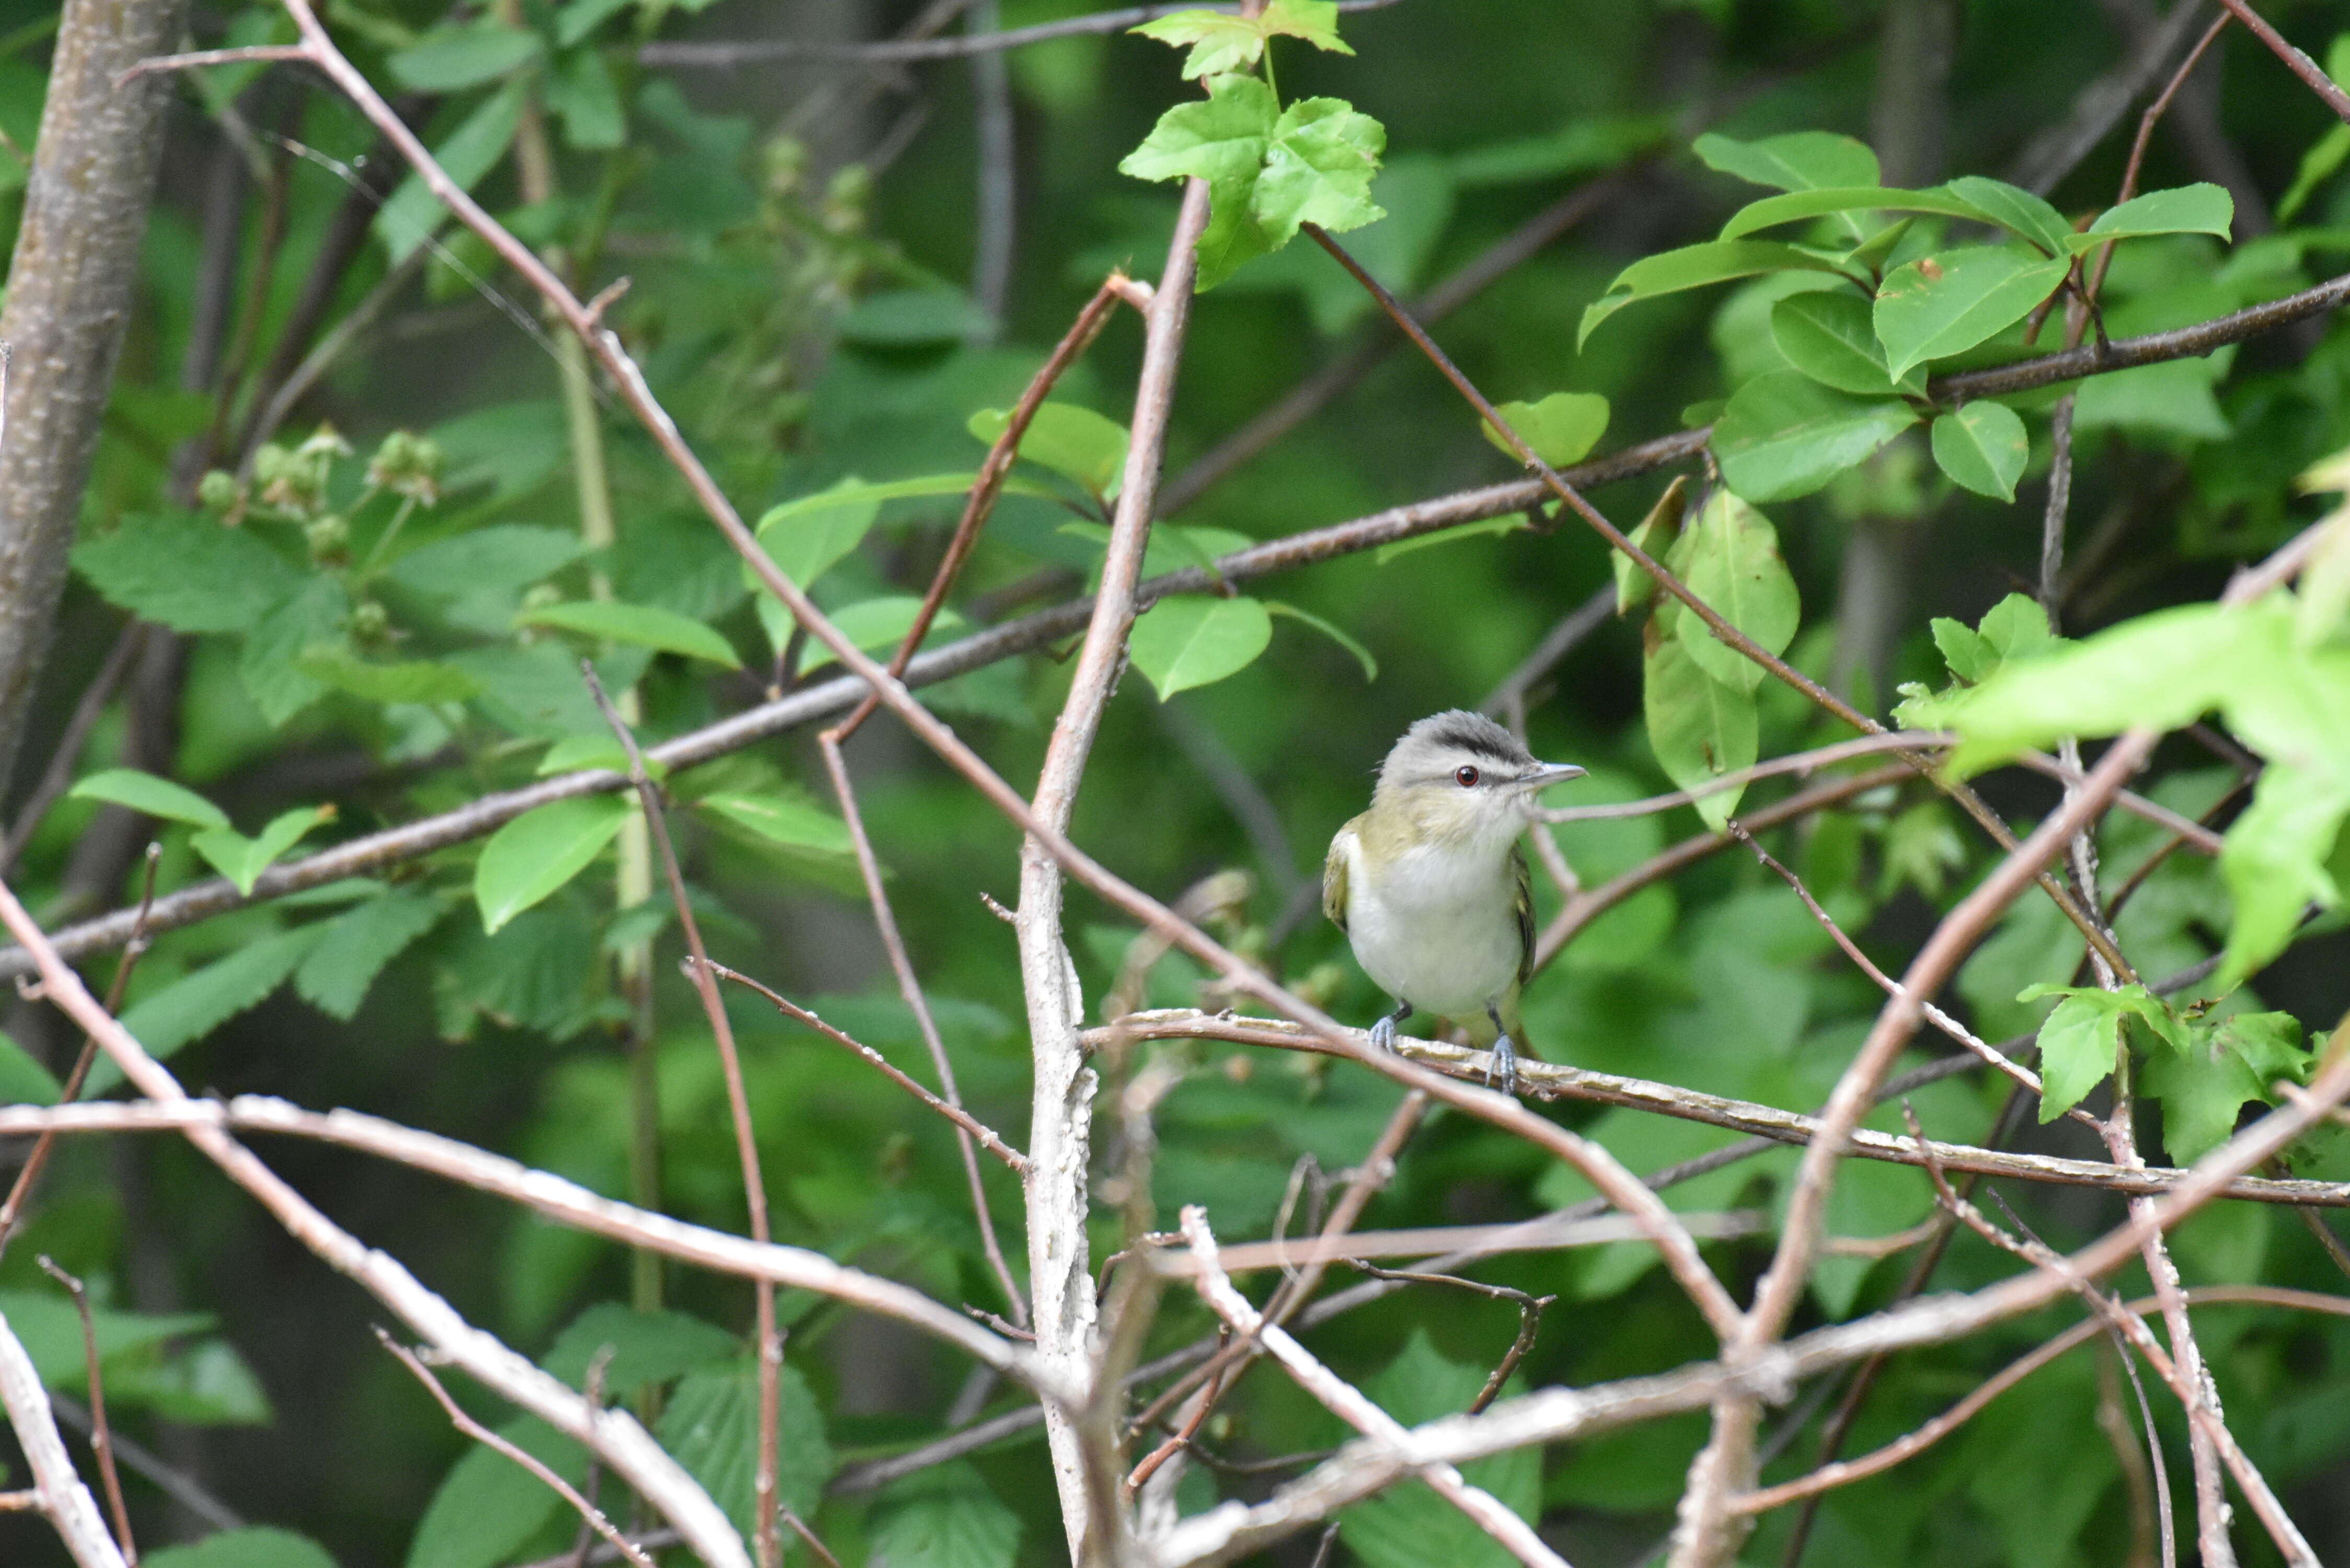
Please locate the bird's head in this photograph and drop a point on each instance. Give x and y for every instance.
(1462, 780)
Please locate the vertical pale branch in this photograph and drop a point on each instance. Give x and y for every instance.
(1060, 1282)
(60, 1493)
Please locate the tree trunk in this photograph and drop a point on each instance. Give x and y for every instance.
(71, 286)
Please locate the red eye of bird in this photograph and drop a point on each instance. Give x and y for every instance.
(1466, 777)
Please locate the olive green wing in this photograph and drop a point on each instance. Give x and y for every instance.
(1334, 877)
(1522, 904)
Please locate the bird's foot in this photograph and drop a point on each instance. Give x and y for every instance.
(1383, 1033)
(1501, 1072)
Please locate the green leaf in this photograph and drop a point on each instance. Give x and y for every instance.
(1799, 160)
(203, 1383)
(581, 92)
(1190, 640)
(187, 573)
(357, 945)
(577, 18)
(879, 623)
(1942, 305)
(2205, 1087)
(1224, 141)
(271, 664)
(2078, 1047)
(1982, 447)
(640, 626)
(1699, 727)
(711, 1424)
(2273, 858)
(647, 1347)
(452, 58)
(254, 1546)
(477, 146)
(945, 1517)
(1695, 266)
(2317, 165)
(409, 680)
(1783, 434)
(202, 1000)
(488, 1507)
(1837, 200)
(1729, 558)
(1073, 441)
(243, 860)
(1962, 647)
(1486, 528)
(780, 819)
(1655, 538)
(2171, 397)
(905, 317)
(1221, 42)
(1409, 1526)
(2016, 210)
(1318, 170)
(146, 793)
(598, 749)
(540, 851)
(50, 1330)
(1829, 336)
(1334, 632)
(806, 536)
(23, 1080)
(1561, 428)
(505, 556)
(2200, 209)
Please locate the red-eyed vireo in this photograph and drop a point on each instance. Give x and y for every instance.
(1430, 884)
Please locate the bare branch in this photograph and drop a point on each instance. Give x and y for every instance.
(2312, 74)
(586, 1510)
(58, 1491)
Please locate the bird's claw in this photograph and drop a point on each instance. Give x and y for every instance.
(1502, 1071)
(1383, 1033)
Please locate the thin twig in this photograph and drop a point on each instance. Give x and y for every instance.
(987, 1135)
(2312, 74)
(58, 774)
(58, 1491)
(101, 1439)
(1530, 1314)
(514, 1451)
(746, 1145)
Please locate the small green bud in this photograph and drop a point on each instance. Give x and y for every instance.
(217, 491)
(369, 621)
(329, 537)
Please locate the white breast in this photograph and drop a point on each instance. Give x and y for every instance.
(1435, 928)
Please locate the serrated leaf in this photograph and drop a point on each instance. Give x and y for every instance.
(271, 664)
(1335, 633)
(200, 1001)
(409, 680)
(1695, 266)
(647, 1347)
(1942, 305)
(2205, 1087)
(540, 851)
(2016, 210)
(2199, 209)
(1561, 428)
(1982, 447)
(1783, 434)
(945, 1517)
(1318, 170)
(2078, 1046)
(1798, 160)
(640, 626)
(1222, 141)
(1699, 727)
(1829, 336)
(146, 793)
(1190, 640)
(243, 860)
(187, 573)
(1220, 42)
(780, 819)
(253, 1546)
(711, 1424)
(1072, 440)
(1730, 560)
(357, 945)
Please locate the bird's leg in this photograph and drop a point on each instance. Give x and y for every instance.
(1502, 1074)
(1383, 1033)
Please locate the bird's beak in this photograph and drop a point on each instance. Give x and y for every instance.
(1548, 774)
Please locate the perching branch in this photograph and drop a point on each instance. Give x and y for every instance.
(58, 1491)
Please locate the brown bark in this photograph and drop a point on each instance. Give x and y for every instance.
(70, 287)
